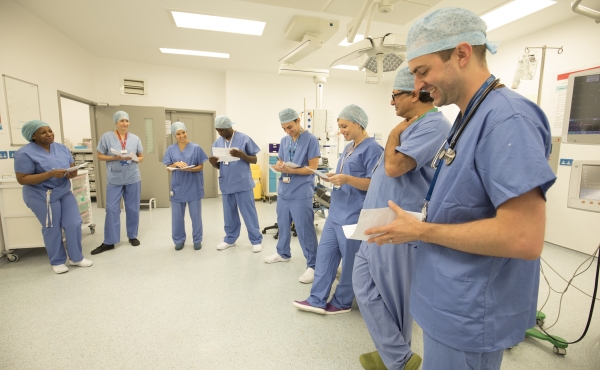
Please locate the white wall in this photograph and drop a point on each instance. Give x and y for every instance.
(31, 50)
(76, 121)
(168, 87)
(567, 227)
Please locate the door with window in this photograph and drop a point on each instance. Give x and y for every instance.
(148, 123)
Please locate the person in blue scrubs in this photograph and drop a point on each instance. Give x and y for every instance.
(236, 184)
(475, 287)
(187, 185)
(351, 181)
(383, 274)
(41, 167)
(295, 191)
(122, 152)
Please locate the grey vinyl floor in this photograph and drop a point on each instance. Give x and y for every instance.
(151, 307)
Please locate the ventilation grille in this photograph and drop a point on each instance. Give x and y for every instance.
(133, 87)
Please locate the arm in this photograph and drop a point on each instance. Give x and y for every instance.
(140, 157)
(239, 154)
(312, 163)
(361, 183)
(517, 230)
(396, 163)
(36, 178)
(108, 158)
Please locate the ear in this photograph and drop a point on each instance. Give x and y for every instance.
(414, 95)
(463, 54)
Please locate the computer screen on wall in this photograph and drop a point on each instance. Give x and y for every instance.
(581, 123)
(584, 185)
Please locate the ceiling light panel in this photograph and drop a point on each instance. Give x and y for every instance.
(219, 24)
(194, 52)
(514, 10)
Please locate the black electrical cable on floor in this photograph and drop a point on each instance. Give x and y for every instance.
(587, 326)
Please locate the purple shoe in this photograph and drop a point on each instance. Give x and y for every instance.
(305, 306)
(332, 310)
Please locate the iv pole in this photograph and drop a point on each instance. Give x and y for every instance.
(560, 51)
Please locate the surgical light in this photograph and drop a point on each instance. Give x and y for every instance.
(220, 24)
(390, 62)
(514, 10)
(195, 53)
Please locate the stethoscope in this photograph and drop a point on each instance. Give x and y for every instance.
(449, 154)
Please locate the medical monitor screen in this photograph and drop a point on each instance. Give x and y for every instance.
(589, 187)
(584, 118)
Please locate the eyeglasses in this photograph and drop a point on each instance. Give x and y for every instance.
(400, 93)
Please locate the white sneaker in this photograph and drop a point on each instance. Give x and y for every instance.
(256, 248)
(83, 263)
(308, 276)
(60, 269)
(222, 246)
(275, 258)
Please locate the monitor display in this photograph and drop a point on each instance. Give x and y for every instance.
(581, 122)
(589, 187)
(585, 106)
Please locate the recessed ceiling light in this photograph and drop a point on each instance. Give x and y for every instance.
(513, 11)
(195, 52)
(220, 24)
(344, 66)
(356, 39)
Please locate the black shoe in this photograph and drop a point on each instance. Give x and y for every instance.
(134, 242)
(103, 248)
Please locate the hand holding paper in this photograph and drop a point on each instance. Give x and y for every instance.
(319, 173)
(406, 227)
(372, 220)
(77, 167)
(223, 154)
(179, 168)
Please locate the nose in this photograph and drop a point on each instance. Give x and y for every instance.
(419, 84)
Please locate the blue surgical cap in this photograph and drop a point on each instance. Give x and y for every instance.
(405, 81)
(444, 29)
(31, 127)
(356, 114)
(120, 115)
(176, 126)
(223, 122)
(288, 115)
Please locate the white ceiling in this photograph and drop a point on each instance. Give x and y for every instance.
(134, 30)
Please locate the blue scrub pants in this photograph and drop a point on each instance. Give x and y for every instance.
(439, 356)
(333, 247)
(178, 223)
(299, 211)
(243, 200)
(65, 216)
(381, 279)
(112, 222)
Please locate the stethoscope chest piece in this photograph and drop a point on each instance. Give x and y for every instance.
(449, 156)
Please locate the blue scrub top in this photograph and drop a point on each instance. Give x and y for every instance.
(472, 302)
(120, 172)
(186, 186)
(299, 152)
(347, 201)
(33, 159)
(236, 177)
(420, 141)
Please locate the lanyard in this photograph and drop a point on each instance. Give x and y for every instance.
(290, 151)
(123, 142)
(230, 141)
(349, 154)
(455, 133)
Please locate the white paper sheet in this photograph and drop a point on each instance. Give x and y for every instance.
(370, 218)
(319, 173)
(223, 154)
(75, 168)
(291, 165)
(182, 168)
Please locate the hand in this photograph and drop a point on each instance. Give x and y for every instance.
(399, 129)
(125, 158)
(72, 174)
(236, 153)
(58, 173)
(213, 160)
(180, 164)
(338, 179)
(405, 228)
(279, 166)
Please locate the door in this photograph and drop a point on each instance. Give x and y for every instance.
(148, 123)
(201, 130)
